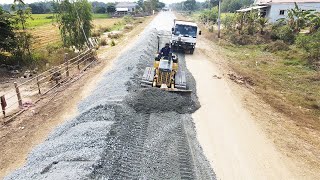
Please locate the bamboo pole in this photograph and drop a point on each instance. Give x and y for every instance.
(18, 94)
(38, 84)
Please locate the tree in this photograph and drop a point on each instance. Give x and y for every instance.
(7, 35)
(100, 10)
(74, 19)
(190, 5)
(22, 36)
(262, 23)
(111, 8)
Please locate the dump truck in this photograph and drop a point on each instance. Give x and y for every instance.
(184, 36)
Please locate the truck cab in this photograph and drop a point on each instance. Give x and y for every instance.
(184, 36)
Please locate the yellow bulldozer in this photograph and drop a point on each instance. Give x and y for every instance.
(165, 74)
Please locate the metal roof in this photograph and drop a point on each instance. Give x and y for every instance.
(251, 8)
(126, 5)
(122, 9)
(285, 1)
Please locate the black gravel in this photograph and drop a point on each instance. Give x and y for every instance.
(124, 131)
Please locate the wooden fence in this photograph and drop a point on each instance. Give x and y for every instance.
(26, 94)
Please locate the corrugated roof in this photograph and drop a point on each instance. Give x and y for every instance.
(285, 1)
(251, 8)
(126, 4)
(122, 9)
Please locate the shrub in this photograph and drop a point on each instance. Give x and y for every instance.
(127, 19)
(311, 44)
(209, 15)
(245, 39)
(113, 43)
(278, 45)
(95, 34)
(103, 42)
(104, 29)
(284, 33)
(227, 22)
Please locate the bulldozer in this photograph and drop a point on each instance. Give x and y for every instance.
(165, 74)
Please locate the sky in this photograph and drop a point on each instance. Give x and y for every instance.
(105, 1)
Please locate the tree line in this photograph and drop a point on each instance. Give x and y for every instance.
(226, 5)
(97, 7)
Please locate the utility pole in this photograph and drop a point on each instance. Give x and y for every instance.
(219, 19)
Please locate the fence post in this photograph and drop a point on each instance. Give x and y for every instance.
(67, 65)
(78, 61)
(38, 83)
(3, 105)
(18, 94)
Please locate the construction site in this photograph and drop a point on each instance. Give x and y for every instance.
(139, 115)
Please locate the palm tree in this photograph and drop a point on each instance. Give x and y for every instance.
(18, 1)
(263, 23)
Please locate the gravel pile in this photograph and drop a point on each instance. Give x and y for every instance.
(125, 132)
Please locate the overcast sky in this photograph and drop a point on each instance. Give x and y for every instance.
(31, 1)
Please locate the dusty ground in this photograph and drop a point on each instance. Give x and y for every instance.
(243, 137)
(19, 137)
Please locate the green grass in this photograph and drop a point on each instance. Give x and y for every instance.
(282, 78)
(43, 19)
(100, 16)
(40, 19)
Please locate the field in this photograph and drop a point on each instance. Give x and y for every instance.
(48, 33)
(43, 19)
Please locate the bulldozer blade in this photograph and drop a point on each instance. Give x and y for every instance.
(179, 90)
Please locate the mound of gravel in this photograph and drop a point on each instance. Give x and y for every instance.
(153, 100)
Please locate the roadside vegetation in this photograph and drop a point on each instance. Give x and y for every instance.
(281, 61)
(39, 34)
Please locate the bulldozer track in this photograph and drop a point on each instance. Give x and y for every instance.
(129, 165)
(184, 154)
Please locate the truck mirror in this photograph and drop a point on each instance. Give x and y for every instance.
(172, 29)
(199, 32)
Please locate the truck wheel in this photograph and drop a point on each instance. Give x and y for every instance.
(173, 48)
(192, 51)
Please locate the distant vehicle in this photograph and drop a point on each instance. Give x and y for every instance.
(184, 36)
(165, 9)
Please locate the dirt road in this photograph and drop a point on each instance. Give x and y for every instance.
(233, 138)
(235, 146)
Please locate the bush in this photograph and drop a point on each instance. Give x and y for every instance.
(113, 43)
(127, 19)
(311, 44)
(284, 33)
(227, 21)
(95, 34)
(278, 45)
(245, 39)
(104, 29)
(103, 42)
(209, 15)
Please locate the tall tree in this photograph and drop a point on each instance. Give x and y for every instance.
(74, 19)
(111, 7)
(7, 35)
(22, 36)
(190, 5)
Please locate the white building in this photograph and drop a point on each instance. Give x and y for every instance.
(126, 7)
(277, 9)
